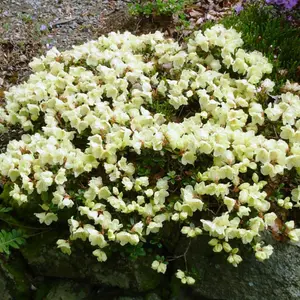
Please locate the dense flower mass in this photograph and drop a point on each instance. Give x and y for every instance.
(133, 132)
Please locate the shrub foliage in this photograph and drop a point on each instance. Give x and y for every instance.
(130, 133)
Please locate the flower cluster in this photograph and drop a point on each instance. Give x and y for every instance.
(91, 112)
(184, 278)
(160, 267)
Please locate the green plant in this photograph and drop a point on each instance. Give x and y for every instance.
(14, 238)
(11, 239)
(6, 26)
(4, 209)
(157, 7)
(133, 252)
(26, 18)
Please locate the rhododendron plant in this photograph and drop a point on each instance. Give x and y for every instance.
(95, 115)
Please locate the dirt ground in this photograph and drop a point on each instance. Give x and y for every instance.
(29, 27)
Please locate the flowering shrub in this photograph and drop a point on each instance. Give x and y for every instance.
(131, 133)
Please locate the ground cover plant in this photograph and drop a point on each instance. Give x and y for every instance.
(158, 7)
(127, 134)
(272, 32)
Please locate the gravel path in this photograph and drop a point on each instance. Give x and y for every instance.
(61, 22)
(29, 27)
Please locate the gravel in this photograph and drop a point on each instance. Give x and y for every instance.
(61, 23)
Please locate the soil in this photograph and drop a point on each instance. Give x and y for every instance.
(29, 28)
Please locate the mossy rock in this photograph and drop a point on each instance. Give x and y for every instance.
(16, 278)
(149, 296)
(129, 298)
(45, 259)
(69, 290)
(153, 296)
(275, 278)
(5, 293)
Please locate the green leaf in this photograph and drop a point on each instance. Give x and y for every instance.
(11, 239)
(4, 209)
(5, 193)
(45, 196)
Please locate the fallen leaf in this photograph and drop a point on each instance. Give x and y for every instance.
(200, 21)
(2, 93)
(194, 13)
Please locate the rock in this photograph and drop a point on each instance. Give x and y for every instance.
(153, 296)
(5, 294)
(46, 260)
(14, 279)
(276, 278)
(129, 298)
(69, 290)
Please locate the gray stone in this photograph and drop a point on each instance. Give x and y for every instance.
(14, 276)
(5, 294)
(152, 296)
(69, 290)
(129, 298)
(276, 278)
(45, 259)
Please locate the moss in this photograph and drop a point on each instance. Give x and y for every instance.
(42, 291)
(69, 290)
(147, 279)
(152, 296)
(18, 279)
(45, 259)
(129, 298)
(5, 293)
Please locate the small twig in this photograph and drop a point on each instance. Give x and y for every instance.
(38, 233)
(275, 132)
(173, 191)
(183, 255)
(219, 208)
(181, 110)
(211, 211)
(110, 13)
(62, 22)
(138, 24)
(21, 226)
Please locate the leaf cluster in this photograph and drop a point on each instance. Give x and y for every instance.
(157, 7)
(11, 239)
